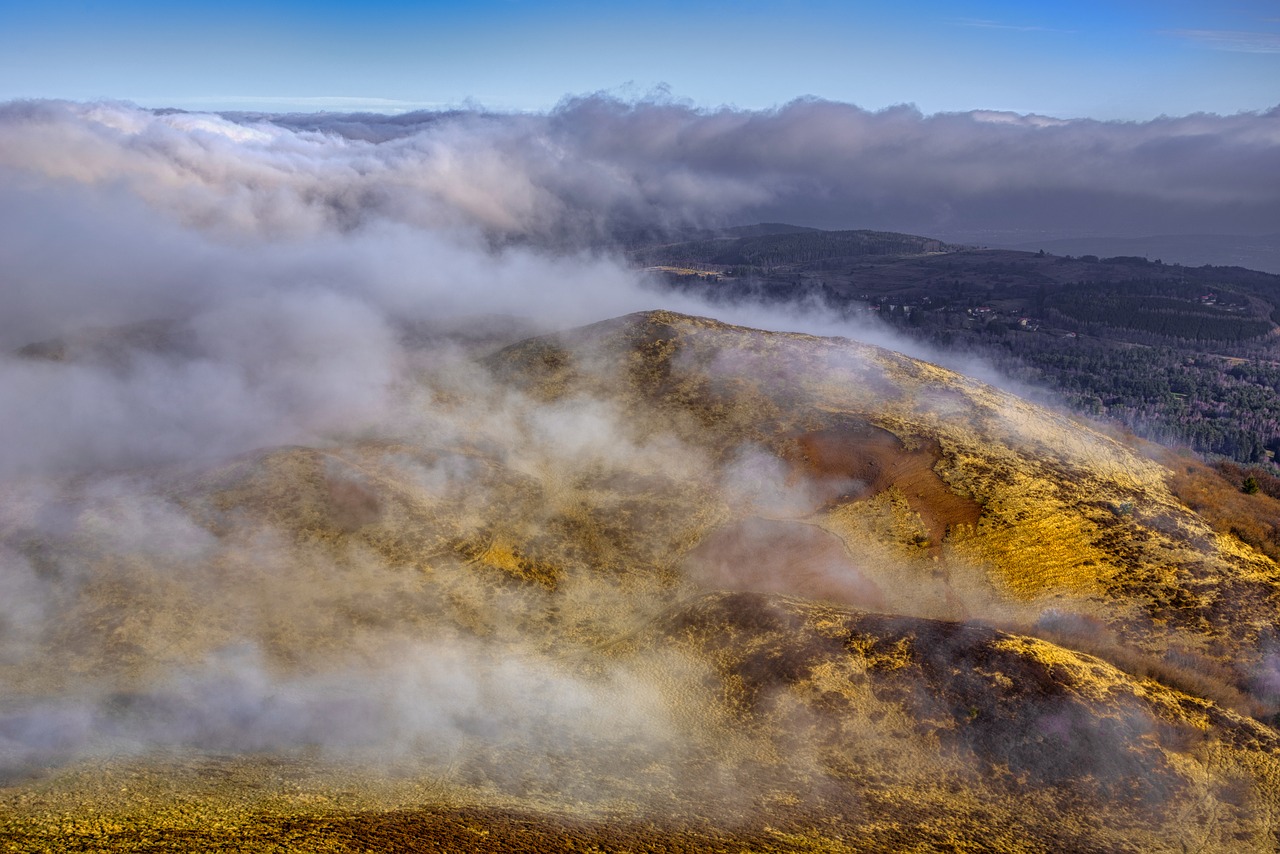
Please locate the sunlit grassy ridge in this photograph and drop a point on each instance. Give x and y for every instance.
(554, 551)
(1068, 515)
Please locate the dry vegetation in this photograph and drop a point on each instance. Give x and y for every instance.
(763, 618)
(1217, 494)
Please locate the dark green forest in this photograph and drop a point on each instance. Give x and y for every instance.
(1212, 404)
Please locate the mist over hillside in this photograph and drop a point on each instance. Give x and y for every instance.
(1183, 355)
(360, 487)
(658, 573)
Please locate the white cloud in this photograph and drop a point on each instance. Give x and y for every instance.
(1231, 40)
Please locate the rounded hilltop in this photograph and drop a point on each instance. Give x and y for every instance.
(658, 582)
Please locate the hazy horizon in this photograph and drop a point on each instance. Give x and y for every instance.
(1133, 60)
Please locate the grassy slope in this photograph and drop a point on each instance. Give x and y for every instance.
(804, 725)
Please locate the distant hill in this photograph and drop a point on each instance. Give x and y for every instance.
(1260, 252)
(662, 236)
(770, 246)
(765, 228)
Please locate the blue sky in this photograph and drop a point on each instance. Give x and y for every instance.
(1125, 59)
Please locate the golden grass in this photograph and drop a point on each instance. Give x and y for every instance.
(828, 729)
(1041, 553)
(886, 519)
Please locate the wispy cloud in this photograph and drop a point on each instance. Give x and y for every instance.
(1000, 25)
(1240, 41)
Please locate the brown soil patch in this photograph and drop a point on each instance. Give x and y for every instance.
(792, 558)
(854, 462)
(352, 504)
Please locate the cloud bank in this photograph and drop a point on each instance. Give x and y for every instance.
(597, 165)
